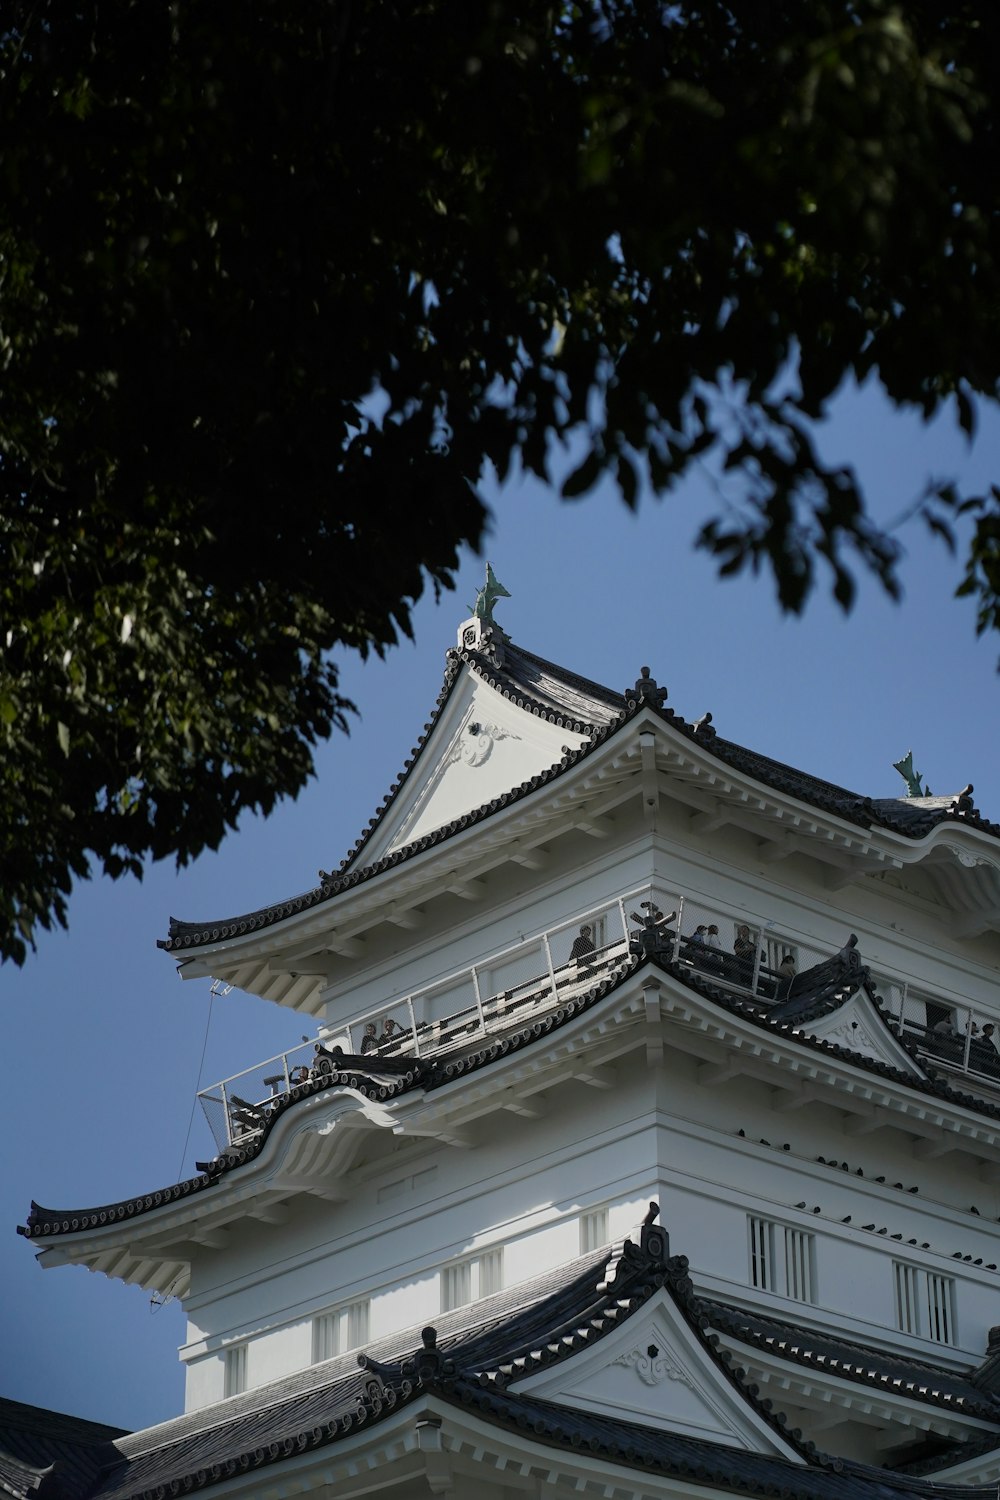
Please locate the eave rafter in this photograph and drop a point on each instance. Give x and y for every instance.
(848, 1401)
(305, 947)
(739, 1048)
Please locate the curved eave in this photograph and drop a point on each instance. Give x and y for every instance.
(184, 934)
(165, 1229)
(501, 832)
(257, 952)
(881, 1404)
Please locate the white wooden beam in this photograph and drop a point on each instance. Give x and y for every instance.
(318, 1187)
(786, 1100)
(597, 1077)
(409, 917)
(709, 822)
(530, 1109)
(270, 1213)
(976, 923)
(212, 1239)
(715, 1072)
(471, 889)
(654, 1023)
(597, 826)
(347, 947)
(930, 1149)
(535, 858)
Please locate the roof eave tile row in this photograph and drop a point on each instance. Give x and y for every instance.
(863, 812)
(426, 1074)
(433, 1073)
(455, 1373)
(184, 935)
(853, 1362)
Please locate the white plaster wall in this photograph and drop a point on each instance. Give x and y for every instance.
(656, 1135)
(906, 939)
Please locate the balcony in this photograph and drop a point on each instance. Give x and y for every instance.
(518, 985)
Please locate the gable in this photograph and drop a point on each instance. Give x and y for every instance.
(656, 1371)
(858, 1026)
(482, 746)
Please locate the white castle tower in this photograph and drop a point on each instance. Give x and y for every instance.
(649, 1143)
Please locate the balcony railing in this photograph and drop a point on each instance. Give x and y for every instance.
(527, 980)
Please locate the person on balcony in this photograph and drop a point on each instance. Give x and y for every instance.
(391, 1032)
(713, 957)
(786, 973)
(744, 953)
(583, 947)
(370, 1039)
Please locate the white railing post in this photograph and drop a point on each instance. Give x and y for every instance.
(677, 934)
(548, 964)
(225, 1110)
(479, 1000)
(621, 911)
(413, 1026)
(968, 1040)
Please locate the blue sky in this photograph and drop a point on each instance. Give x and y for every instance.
(105, 1046)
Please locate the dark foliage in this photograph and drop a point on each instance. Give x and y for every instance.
(280, 276)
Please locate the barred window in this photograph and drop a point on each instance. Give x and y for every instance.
(468, 1280)
(925, 1302)
(782, 1259)
(340, 1329)
(593, 1230)
(235, 1377)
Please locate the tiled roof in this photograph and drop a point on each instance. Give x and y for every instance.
(471, 1362)
(551, 692)
(474, 1361)
(433, 1073)
(854, 1362)
(45, 1455)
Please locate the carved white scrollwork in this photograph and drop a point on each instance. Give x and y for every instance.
(475, 744)
(970, 860)
(652, 1368)
(853, 1034)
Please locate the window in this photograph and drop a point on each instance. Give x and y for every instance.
(781, 1259)
(468, 1280)
(235, 1376)
(593, 1230)
(925, 1302)
(341, 1329)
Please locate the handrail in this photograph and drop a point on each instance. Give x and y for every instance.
(460, 1009)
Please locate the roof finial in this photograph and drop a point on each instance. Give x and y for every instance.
(487, 596)
(646, 690)
(910, 776)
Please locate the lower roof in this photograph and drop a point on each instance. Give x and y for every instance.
(473, 1363)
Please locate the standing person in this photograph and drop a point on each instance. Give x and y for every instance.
(786, 973)
(713, 954)
(369, 1041)
(583, 947)
(744, 952)
(390, 1031)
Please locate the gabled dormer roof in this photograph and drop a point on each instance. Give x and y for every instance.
(484, 1368)
(508, 724)
(879, 1068)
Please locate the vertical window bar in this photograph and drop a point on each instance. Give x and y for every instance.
(235, 1379)
(593, 1230)
(491, 1272)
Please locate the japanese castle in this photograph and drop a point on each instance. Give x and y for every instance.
(646, 1142)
